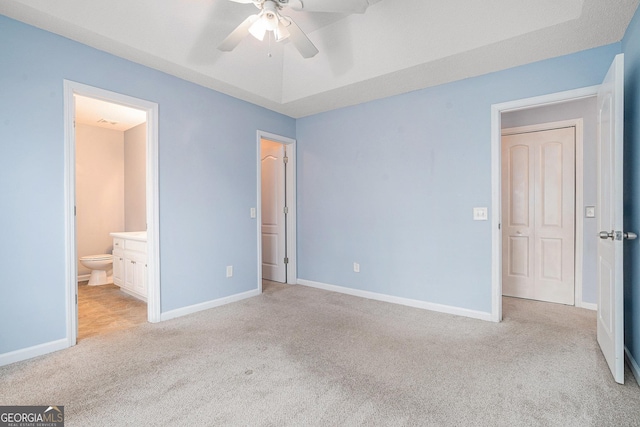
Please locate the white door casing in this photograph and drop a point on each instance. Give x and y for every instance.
(610, 321)
(538, 194)
(496, 185)
(274, 249)
(152, 199)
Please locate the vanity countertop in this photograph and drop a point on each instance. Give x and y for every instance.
(140, 236)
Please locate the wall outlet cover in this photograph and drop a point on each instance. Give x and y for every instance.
(480, 214)
(590, 211)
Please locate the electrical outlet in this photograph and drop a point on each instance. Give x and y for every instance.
(229, 270)
(356, 267)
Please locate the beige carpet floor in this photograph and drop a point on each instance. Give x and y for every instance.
(297, 356)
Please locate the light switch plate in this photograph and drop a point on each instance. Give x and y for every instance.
(253, 212)
(590, 211)
(480, 214)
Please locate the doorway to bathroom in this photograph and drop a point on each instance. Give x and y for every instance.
(277, 209)
(111, 211)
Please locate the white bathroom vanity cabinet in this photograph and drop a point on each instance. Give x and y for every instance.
(130, 262)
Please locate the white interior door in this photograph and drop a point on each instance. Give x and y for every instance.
(609, 214)
(539, 215)
(274, 246)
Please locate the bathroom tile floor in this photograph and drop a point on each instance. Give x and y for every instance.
(105, 308)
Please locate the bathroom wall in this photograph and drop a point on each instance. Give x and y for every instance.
(135, 182)
(585, 109)
(99, 189)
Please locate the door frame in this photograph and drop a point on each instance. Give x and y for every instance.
(290, 196)
(72, 88)
(496, 186)
(578, 240)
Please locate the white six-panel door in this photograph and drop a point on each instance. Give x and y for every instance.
(273, 212)
(538, 199)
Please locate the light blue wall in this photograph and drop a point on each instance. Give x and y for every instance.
(207, 173)
(391, 184)
(631, 49)
(585, 109)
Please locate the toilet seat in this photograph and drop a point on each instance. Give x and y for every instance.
(100, 257)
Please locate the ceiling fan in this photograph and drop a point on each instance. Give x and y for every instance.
(283, 27)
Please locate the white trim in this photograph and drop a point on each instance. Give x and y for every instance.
(578, 253)
(292, 267)
(83, 277)
(588, 306)
(179, 312)
(31, 352)
(153, 215)
(633, 365)
(70, 250)
(153, 226)
(399, 300)
(496, 177)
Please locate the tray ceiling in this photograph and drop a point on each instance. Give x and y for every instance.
(395, 47)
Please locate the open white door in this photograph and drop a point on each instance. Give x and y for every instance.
(610, 205)
(274, 212)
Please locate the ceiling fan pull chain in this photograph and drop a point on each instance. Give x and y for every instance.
(269, 35)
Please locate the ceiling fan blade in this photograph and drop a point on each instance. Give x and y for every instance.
(300, 40)
(335, 6)
(243, 1)
(238, 34)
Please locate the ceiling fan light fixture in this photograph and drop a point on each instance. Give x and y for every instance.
(258, 29)
(281, 32)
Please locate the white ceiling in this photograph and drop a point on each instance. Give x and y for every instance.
(94, 112)
(395, 47)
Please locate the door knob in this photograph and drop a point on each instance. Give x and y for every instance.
(612, 235)
(606, 235)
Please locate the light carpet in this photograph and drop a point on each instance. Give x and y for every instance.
(297, 356)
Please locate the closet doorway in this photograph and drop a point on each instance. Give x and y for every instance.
(277, 208)
(538, 212)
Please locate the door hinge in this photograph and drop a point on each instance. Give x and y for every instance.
(76, 299)
(286, 260)
(286, 210)
(285, 159)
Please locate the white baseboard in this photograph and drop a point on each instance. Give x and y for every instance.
(179, 312)
(83, 277)
(399, 300)
(589, 306)
(632, 364)
(35, 351)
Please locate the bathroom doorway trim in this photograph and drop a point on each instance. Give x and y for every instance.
(153, 251)
(292, 266)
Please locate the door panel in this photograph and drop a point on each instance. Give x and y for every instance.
(272, 210)
(609, 213)
(539, 197)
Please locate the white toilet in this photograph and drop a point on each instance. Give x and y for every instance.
(99, 265)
